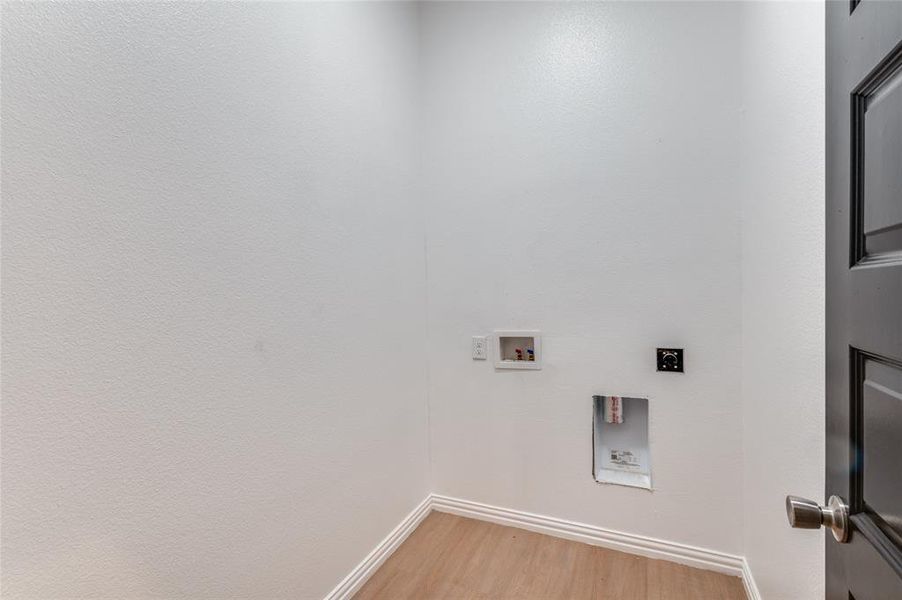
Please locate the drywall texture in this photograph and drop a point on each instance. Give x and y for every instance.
(782, 192)
(213, 296)
(580, 164)
(214, 284)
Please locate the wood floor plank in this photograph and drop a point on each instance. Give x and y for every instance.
(621, 576)
(454, 558)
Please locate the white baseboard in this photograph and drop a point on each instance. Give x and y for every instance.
(751, 590)
(700, 558)
(355, 580)
(691, 556)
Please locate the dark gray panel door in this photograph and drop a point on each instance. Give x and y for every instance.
(864, 295)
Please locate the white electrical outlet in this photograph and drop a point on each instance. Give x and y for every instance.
(480, 347)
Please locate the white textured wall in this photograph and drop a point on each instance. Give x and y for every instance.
(782, 191)
(213, 296)
(214, 363)
(580, 164)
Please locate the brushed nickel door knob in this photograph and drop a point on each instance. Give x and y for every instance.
(808, 514)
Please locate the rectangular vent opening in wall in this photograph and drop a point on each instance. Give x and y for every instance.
(518, 350)
(620, 441)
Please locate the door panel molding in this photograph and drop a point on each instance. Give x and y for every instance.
(884, 79)
(866, 520)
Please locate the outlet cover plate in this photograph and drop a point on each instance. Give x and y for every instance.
(480, 347)
(670, 360)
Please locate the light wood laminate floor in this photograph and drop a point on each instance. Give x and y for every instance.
(454, 557)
